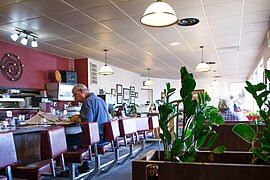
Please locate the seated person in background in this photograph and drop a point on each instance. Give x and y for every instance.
(226, 113)
(94, 109)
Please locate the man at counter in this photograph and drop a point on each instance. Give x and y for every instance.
(94, 108)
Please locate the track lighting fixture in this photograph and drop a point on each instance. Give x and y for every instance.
(27, 34)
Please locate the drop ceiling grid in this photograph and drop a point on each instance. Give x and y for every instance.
(113, 31)
(105, 27)
(150, 36)
(71, 30)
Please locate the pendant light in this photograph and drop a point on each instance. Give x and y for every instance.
(159, 14)
(148, 82)
(202, 66)
(106, 70)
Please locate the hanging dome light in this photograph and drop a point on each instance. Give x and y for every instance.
(202, 66)
(148, 82)
(106, 70)
(159, 14)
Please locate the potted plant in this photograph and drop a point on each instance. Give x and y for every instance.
(198, 120)
(181, 158)
(259, 134)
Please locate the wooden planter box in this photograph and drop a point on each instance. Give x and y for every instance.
(231, 141)
(229, 166)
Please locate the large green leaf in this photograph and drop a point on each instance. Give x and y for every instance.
(219, 150)
(258, 152)
(263, 114)
(212, 140)
(245, 132)
(176, 147)
(250, 88)
(267, 74)
(201, 141)
(188, 86)
(191, 109)
(263, 94)
(260, 87)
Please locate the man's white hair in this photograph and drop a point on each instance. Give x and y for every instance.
(81, 87)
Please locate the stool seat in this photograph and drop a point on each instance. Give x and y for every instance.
(32, 170)
(77, 155)
(104, 147)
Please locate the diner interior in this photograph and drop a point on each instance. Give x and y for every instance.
(185, 84)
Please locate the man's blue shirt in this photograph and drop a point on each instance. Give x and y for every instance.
(94, 109)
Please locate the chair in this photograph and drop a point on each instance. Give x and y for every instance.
(90, 136)
(128, 129)
(53, 144)
(8, 153)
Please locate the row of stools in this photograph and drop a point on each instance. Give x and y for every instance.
(53, 147)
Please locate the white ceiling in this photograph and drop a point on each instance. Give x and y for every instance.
(83, 28)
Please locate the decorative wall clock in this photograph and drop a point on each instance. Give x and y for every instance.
(11, 67)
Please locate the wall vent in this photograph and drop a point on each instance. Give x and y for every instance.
(93, 73)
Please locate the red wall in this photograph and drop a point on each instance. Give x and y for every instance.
(37, 66)
(81, 68)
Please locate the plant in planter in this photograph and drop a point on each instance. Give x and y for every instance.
(198, 120)
(260, 136)
(175, 162)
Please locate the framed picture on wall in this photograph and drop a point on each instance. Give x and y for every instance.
(132, 99)
(119, 88)
(125, 93)
(132, 91)
(119, 99)
(136, 95)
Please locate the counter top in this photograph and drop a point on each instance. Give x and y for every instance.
(72, 128)
(23, 108)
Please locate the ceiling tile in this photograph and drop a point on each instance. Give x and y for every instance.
(72, 18)
(59, 42)
(82, 4)
(5, 20)
(176, 4)
(63, 32)
(194, 12)
(102, 13)
(257, 5)
(17, 12)
(134, 7)
(42, 23)
(48, 7)
(119, 24)
(255, 17)
(90, 28)
(260, 26)
(233, 8)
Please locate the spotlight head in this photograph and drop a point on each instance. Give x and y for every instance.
(34, 43)
(24, 40)
(15, 36)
